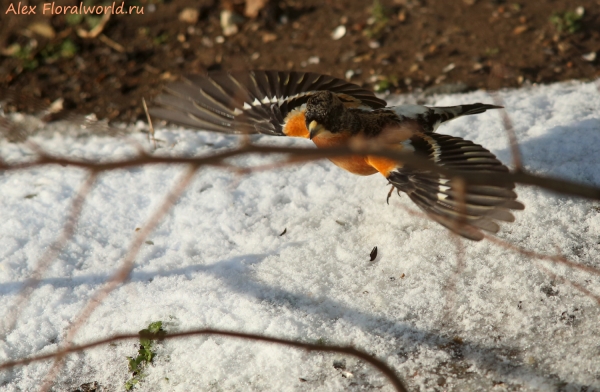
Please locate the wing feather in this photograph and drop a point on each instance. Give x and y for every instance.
(248, 101)
(464, 213)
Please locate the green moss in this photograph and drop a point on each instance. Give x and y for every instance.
(145, 355)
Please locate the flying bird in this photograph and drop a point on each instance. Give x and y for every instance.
(332, 112)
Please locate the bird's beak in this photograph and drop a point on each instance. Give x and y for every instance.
(314, 129)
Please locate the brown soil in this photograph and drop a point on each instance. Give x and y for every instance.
(400, 46)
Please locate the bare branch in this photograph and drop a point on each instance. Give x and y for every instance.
(379, 364)
(303, 154)
(512, 136)
(555, 259)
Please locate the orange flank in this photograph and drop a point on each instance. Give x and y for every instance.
(355, 164)
(295, 124)
(381, 164)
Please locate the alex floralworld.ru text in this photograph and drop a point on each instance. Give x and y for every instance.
(53, 9)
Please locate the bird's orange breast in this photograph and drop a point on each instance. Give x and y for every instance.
(353, 163)
(295, 124)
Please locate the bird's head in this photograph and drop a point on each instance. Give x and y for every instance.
(323, 112)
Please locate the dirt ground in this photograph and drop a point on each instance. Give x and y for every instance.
(400, 46)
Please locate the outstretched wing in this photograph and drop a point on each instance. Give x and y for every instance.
(250, 101)
(478, 207)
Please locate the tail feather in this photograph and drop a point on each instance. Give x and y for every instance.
(430, 118)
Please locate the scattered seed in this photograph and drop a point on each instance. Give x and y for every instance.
(253, 7)
(314, 60)
(189, 15)
(302, 379)
(374, 254)
(339, 364)
(374, 44)
(42, 28)
(283, 232)
(137, 229)
(229, 22)
(520, 29)
(402, 276)
(31, 196)
(338, 33)
(589, 56)
(150, 242)
(268, 37)
(448, 68)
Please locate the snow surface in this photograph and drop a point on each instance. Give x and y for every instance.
(218, 261)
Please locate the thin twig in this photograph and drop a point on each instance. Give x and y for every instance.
(303, 154)
(150, 125)
(529, 253)
(379, 364)
(512, 136)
